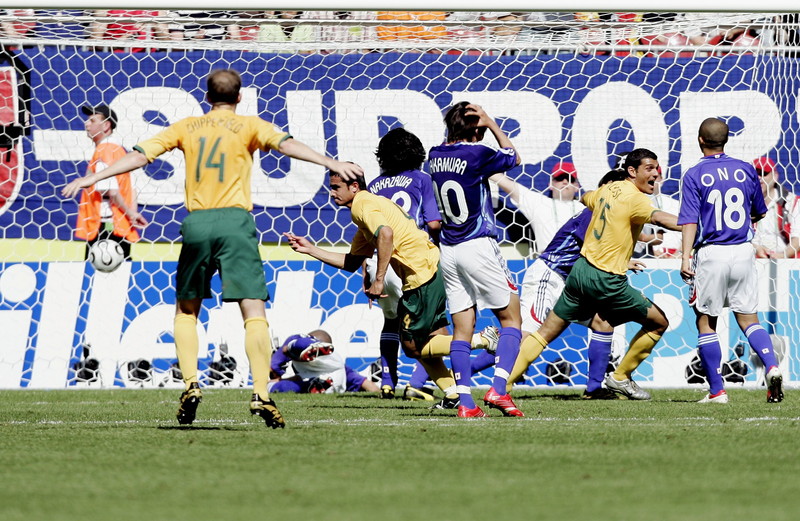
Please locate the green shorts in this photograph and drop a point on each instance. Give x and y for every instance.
(423, 310)
(224, 240)
(589, 290)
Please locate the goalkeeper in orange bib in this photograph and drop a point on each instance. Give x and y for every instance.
(219, 233)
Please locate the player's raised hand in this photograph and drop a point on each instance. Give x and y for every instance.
(138, 220)
(74, 187)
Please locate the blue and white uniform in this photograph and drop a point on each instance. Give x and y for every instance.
(473, 268)
(544, 279)
(721, 194)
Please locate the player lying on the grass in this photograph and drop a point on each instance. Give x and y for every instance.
(720, 199)
(219, 232)
(543, 283)
(317, 367)
(387, 229)
(598, 284)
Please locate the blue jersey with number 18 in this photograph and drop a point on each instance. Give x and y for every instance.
(460, 173)
(720, 194)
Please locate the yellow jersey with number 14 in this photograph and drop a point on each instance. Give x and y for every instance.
(619, 212)
(218, 148)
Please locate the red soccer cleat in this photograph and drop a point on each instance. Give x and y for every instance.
(464, 412)
(503, 403)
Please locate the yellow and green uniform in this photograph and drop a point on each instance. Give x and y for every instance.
(219, 232)
(598, 282)
(415, 259)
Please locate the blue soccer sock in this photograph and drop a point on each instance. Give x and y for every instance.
(711, 357)
(599, 355)
(389, 345)
(762, 344)
(507, 351)
(460, 362)
(285, 386)
(483, 360)
(418, 377)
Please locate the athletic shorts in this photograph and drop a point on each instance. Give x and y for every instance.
(725, 276)
(541, 288)
(354, 379)
(392, 287)
(475, 273)
(423, 310)
(224, 240)
(589, 290)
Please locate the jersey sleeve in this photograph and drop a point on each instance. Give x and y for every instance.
(267, 136)
(164, 141)
(641, 209)
(590, 199)
(361, 246)
(499, 160)
(690, 202)
(528, 200)
(430, 208)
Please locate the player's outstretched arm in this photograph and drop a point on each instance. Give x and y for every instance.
(131, 161)
(299, 150)
(337, 260)
(665, 220)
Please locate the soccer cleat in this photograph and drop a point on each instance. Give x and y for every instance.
(601, 393)
(447, 403)
(626, 388)
(720, 397)
(774, 385)
(316, 349)
(320, 385)
(190, 399)
(491, 335)
(268, 411)
(503, 403)
(417, 395)
(464, 412)
(387, 392)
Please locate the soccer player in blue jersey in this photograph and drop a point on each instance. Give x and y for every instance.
(474, 270)
(720, 199)
(400, 155)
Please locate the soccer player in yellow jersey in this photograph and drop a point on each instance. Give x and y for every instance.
(219, 233)
(385, 227)
(598, 284)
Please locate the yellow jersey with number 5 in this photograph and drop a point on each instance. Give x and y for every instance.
(619, 212)
(218, 148)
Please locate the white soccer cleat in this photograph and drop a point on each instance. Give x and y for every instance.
(774, 385)
(720, 397)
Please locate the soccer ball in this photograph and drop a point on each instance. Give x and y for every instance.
(106, 255)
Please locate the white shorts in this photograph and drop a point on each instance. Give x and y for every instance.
(475, 273)
(541, 287)
(326, 366)
(392, 287)
(725, 276)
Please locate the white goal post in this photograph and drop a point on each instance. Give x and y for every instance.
(582, 88)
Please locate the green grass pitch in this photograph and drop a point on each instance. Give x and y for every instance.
(120, 455)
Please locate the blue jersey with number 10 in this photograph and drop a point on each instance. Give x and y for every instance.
(721, 194)
(460, 173)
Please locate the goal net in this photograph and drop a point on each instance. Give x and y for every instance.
(580, 88)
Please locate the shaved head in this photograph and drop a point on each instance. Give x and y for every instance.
(713, 133)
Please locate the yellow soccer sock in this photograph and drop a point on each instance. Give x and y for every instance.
(529, 350)
(440, 374)
(641, 346)
(187, 346)
(437, 347)
(258, 347)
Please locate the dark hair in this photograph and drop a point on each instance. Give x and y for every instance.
(714, 132)
(359, 180)
(399, 150)
(635, 157)
(223, 86)
(459, 126)
(613, 175)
